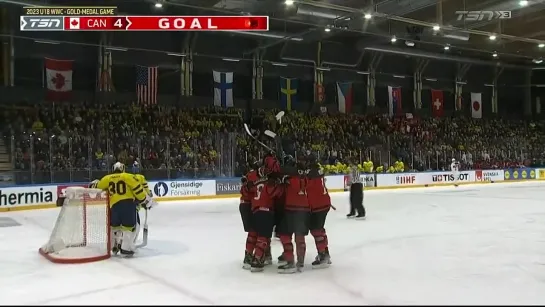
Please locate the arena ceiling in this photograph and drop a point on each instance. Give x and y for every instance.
(411, 22)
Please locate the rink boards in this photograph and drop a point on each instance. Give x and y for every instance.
(29, 197)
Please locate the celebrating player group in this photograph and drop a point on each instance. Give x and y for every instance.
(292, 198)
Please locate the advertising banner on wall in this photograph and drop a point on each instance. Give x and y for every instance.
(367, 179)
(188, 188)
(519, 173)
(489, 175)
(228, 186)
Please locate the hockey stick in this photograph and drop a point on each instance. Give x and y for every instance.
(255, 139)
(279, 116)
(145, 231)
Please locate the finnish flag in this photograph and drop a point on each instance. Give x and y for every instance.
(223, 89)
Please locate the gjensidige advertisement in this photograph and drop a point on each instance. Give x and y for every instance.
(183, 188)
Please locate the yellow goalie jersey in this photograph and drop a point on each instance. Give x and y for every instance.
(122, 186)
(144, 184)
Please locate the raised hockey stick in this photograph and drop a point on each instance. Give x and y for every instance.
(255, 139)
(145, 231)
(279, 116)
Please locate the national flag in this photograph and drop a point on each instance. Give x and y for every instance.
(74, 23)
(288, 92)
(437, 103)
(320, 93)
(223, 89)
(146, 84)
(344, 96)
(476, 105)
(58, 78)
(394, 101)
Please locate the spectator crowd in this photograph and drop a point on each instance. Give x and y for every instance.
(209, 142)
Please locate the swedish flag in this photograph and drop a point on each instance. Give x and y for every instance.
(288, 92)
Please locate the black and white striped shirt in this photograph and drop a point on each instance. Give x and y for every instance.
(354, 174)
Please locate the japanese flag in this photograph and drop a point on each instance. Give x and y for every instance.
(58, 79)
(476, 105)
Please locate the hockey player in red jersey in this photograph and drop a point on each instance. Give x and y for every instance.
(296, 217)
(266, 191)
(245, 208)
(320, 202)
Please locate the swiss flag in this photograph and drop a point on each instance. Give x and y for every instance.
(58, 77)
(437, 103)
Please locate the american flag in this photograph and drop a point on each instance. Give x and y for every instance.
(146, 85)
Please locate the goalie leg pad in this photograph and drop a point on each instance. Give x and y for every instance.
(127, 246)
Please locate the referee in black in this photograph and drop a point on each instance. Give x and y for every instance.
(356, 193)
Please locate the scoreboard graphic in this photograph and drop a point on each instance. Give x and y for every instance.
(105, 19)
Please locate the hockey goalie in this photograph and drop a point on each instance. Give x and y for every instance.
(127, 193)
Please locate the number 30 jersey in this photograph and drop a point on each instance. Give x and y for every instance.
(122, 186)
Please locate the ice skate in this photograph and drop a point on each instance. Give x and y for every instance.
(288, 268)
(268, 257)
(281, 260)
(126, 253)
(116, 249)
(247, 262)
(257, 265)
(322, 261)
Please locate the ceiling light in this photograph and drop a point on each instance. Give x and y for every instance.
(394, 39)
(523, 3)
(289, 2)
(436, 28)
(367, 16)
(541, 45)
(492, 37)
(495, 55)
(446, 48)
(158, 5)
(327, 29)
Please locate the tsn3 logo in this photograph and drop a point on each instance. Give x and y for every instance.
(449, 177)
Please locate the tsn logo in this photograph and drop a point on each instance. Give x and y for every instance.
(41, 23)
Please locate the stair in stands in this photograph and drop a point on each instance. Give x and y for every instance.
(5, 164)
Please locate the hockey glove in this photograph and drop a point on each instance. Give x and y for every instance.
(93, 184)
(148, 203)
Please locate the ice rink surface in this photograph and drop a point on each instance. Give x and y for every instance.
(481, 244)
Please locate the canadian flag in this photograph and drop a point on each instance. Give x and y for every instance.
(74, 23)
(476, 105)
(58, 77)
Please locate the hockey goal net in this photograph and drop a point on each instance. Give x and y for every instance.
(82, 230)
